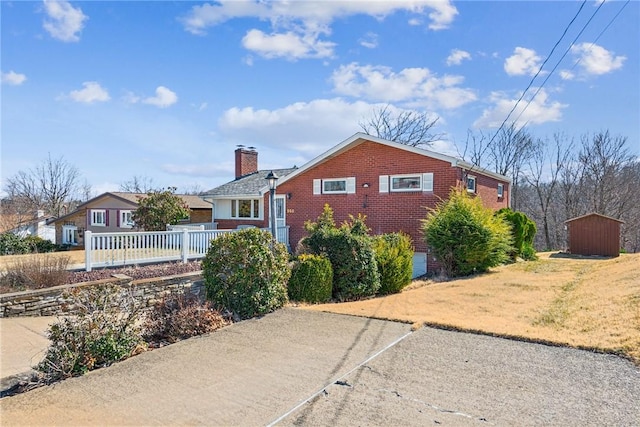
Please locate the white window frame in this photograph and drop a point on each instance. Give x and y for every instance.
(252, 210)
(69, 235)
(95, 217)
(473, 179)
(326, 181)
(500, 190)
(349, 185)
(123, 219)
(408, 175)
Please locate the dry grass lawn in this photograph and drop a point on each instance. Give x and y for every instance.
(75, 257)
(590, 303)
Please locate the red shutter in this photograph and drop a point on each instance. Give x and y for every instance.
(106, 217)
(118, 218)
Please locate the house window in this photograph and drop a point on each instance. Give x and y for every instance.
(330, 186)
(406, 182)
(126, 219)
(99, 217)
(69, 235)
(245, 208)
(334, 186)
(501, 190)
(471, 184)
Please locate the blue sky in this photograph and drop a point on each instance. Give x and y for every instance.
(167, 90)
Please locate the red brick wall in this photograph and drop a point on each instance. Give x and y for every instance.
(246, 162)
(386, 212)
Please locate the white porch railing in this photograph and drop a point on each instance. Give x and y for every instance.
(138, 247)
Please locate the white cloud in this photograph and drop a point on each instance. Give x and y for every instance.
(457, 56)
(370, 40)
(307, 127)
(413, 86)
(567, 75)
(288, 45)
(297, 25)
(64, 21)
(596, 60)
(163, 99)
(540, 110)
(523, 61)
(14, 79)
(90, 93)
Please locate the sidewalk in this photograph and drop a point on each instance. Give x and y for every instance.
(23, 343)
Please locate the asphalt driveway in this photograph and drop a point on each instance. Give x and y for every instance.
(308, 368)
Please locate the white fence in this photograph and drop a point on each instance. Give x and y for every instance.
(139, 247)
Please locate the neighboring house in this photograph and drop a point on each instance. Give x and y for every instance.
(594, 234)
(112, 212)
(34, 225)
(391, 183)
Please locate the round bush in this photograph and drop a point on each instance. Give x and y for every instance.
(246, 273)
(311, 279)
(394, 256)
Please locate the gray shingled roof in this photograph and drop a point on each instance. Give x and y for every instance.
(248, 185)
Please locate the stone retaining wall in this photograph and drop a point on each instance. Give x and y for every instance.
(51, 301)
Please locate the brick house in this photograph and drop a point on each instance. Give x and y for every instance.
(391, 183)
(111, 212)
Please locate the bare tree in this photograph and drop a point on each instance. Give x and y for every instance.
(404, 126)
(50, 186)
(542, 174)
(138, 184)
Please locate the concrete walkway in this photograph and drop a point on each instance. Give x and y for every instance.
(297, 367)
(23, 343)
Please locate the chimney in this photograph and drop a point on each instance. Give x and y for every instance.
(246, 161)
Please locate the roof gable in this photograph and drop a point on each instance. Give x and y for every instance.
(360, 138)
(593, 214)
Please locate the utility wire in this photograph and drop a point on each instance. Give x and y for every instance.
(534, 77)
(560, 60)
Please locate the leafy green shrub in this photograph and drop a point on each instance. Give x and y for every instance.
(39, 245)
(11, 244)
(36, 271)
(246, 273)
(355, 272)
(180, 316)
(394, 256)
(311, 279)
(101, 331)
(523, 231)
(465, 236)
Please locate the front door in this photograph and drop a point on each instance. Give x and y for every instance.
(281, 220)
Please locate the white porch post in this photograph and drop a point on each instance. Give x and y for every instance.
(87, 250)
(185, 245)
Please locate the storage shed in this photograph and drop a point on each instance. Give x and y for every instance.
(594, 234)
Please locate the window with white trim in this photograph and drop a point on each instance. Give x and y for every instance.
(406, 182)
(99, 217)
(334, 186)
(471, 184)
(126, 219)
(245, 208)
(500, 190)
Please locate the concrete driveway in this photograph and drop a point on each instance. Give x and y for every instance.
(301, 367)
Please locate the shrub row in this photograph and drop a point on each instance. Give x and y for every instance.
(11, 244)
(107, 327)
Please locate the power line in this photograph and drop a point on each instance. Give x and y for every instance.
(561, 58)
(534, 77)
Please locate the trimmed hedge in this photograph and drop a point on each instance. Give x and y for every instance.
(246, 273)
(394, 256)
(311, 279)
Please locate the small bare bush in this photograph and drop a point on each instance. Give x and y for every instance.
(102, 329)
(36, 272)
(180, 316)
